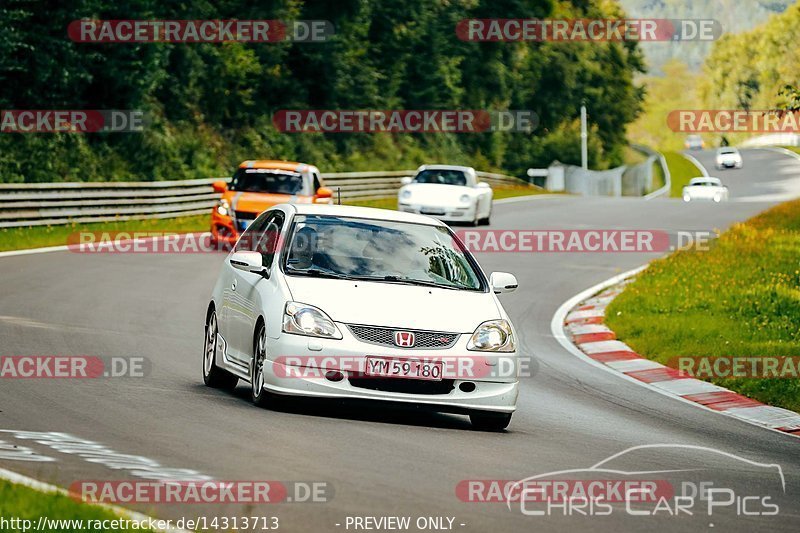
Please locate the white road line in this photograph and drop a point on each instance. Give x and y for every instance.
(780, 150)
(559, 333)
(35, 484)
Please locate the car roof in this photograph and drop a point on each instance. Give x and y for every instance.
(293, 166)
(446, 167)
(707, 179)
(361, 212)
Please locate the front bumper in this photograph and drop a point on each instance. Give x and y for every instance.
(491, 383)
(445, 213)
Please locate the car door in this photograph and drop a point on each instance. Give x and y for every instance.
(246, 303)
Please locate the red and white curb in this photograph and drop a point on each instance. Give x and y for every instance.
(579, 326)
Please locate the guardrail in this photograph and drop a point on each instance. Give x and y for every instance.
(38, 204)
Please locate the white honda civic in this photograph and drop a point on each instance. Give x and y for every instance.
(351, 302)
(447, 192)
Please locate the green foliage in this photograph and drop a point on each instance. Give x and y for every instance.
(733, 15)
(757, 69)
(210, 105)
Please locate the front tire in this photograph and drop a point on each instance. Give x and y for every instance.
(487, 421)
(257, 393)
(486, 221)
(214, 376)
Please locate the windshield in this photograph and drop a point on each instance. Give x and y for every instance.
(442, 177)
(379, 250)
(267, 180)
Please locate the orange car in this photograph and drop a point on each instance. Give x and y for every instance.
(257, 186)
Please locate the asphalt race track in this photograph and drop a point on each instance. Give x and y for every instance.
(381, 461)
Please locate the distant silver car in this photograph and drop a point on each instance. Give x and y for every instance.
(705, 189)
(728, 157)
(694, 142)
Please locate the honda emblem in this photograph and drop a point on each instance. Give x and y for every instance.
(404, 339)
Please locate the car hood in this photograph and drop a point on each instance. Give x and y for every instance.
(257, 202)
(433, 193)
(396, 305)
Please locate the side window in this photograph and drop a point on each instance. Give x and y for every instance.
(317, 184)
(248, 241)
(268, 237)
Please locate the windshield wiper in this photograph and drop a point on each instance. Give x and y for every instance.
(407, 281)
(317, 273)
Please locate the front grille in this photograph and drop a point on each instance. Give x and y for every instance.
(429, 340)
(402, 385)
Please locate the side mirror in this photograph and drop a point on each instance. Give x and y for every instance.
(324, 192)
(503, 282)
(406, 180)
(219, 186)
(247, 262)
(483, 185)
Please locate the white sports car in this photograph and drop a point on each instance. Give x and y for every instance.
(449, 193)
(728, 157)
(705, 189)
(352, 302)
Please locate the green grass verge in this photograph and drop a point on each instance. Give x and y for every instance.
(795, 149)
(739, 298)
(40, 236)
(681, 170)
(18, 501)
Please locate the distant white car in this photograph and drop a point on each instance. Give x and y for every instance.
(728, 157)
(705, 189)
(449, 193)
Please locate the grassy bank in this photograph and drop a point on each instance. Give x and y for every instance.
(40, 236)
(681, 170)
(740, 298)
(20, 502)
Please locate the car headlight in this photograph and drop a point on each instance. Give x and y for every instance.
(303, 319)
(405, 195)
(717, 197)
(464, 199)
(493, 336)
(686, 198)
(223, 207)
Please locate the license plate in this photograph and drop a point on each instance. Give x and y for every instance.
(432, 211)
(404, 368)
